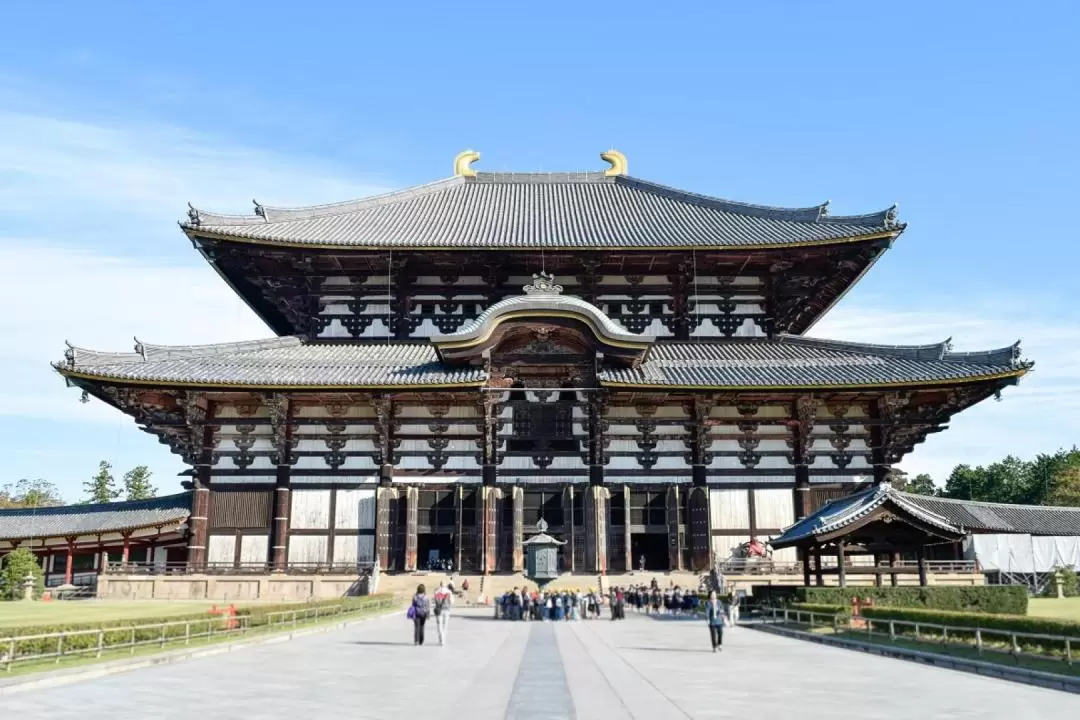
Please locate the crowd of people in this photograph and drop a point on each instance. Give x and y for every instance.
(522, 604)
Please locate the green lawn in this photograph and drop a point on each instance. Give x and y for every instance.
(1064, 608)
(16, 614)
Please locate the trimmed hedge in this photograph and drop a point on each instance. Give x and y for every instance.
(119, 631)
(985, 621)
(998, 599)
(773, 595)
(823, 609)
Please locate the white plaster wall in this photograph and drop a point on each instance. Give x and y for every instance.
(355, 510)
(308, 548)
(221, 549)
(310, 509)
(773, 507)
(729, 509)
(254, 548)
(353, 549)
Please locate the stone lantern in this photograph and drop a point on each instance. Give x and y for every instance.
(28, 587)
(542, 556)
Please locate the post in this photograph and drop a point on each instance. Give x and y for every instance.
(68, 574)
(892, 564)
(817, 566)
(842, 572)
(125, 553)
(806, 567)
(921, 555)
(278, 551)
(412, 504)
(878, 580)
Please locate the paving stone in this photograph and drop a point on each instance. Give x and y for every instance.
(642, 668)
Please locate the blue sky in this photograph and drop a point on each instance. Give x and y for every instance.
(113, 117)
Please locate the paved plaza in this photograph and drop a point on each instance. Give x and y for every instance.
(641, 668)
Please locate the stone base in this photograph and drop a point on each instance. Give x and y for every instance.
(230, 588)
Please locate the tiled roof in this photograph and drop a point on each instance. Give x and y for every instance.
(787, 361)
(795, 361)
(549, 210)
(1003, 518)
(837, 514)
(71, 520)
(278, 362)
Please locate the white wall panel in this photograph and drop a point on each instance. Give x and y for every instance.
(310, 509)
(307, 548)
(254, 548)
(773, 508)
(354, 549)
(354, 510)
(729, 509)
(221, 549)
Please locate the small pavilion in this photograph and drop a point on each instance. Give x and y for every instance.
(881, 521)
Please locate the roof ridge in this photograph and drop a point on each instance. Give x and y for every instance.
(269, 214)
(929, 351)
(770, 212)
(986, 503)
(143, 504)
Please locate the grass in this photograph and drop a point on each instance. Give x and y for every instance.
(79, 660)
(1061, 608)
(19, 614)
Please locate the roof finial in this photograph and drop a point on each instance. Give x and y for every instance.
(193, 214)
(259, 210)
(890, 216)
(617, 160)
(463, 161)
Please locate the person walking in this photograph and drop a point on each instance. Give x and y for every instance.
(714, 616)
(419, 612)
(444, 600)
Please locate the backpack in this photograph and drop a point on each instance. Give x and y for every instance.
(420, 602)
(440, 603)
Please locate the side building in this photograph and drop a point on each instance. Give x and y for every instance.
(458, 360)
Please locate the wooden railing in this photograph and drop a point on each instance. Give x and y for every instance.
(764, 566)
(984, 641)
(98, 641)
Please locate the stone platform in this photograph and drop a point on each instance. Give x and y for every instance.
(641, 668)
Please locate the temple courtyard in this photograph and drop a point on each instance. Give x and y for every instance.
(640, 668)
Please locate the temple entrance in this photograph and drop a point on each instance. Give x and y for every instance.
(654, 547)
(436, 529)
(434, 550)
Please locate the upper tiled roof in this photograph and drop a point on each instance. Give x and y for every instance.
(787, 361)
(278, 362)
(1003, 518)
(549, 210)
(73, 520)
(796, 361)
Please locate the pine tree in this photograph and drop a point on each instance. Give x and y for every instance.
(137, 483)
(17, 564)
(102, 487)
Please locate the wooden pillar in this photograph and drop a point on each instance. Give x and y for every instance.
(840, 560)
(806, 566)
(70, 558)
(628, 546)
(568, 512)
(200, 511)
(804, 410)
(384, 526)
(459, 509)
(878, 579)
(877, 442)
(817, 566)
(596, 499)
(699, 522)
(279, 558)
(518, 500)
(126, 552)
(675, 553)
(893, 580)
(920, 553)
(412, 506)
(489, 511)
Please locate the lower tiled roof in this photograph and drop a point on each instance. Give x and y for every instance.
(73, 520)
(783, 362)
(1003, 518)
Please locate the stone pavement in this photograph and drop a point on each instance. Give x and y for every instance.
(591, 670)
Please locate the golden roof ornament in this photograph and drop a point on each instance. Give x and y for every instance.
(543, 284)
(617, 161)
(463, 162)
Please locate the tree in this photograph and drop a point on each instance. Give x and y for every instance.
(17, 565)
(1006, 481)
(921, 484)
(1065, 488)
(137, 483)
(29, 493)
(102, 487)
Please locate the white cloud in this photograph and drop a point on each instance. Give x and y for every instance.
(1036, 416)
(87, 215)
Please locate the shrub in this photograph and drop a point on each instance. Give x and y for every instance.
(823, 609)
(19, 563)
(1002, 599)
(773, 595)
(1067, 578)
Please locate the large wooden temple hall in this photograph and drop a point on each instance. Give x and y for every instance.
(452, 362)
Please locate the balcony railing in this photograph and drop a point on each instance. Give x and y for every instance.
(182, 568)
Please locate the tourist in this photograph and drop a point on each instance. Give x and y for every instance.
(419, 613)
(714, 616)
(444, 600)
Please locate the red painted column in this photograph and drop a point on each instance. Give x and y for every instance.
(126, 551)
(68, 574)
(278, 556)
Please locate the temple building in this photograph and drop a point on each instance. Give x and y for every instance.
(456, 361)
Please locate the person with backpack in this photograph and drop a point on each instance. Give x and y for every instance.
(444, 600)
(714, 616)
(418, 613)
